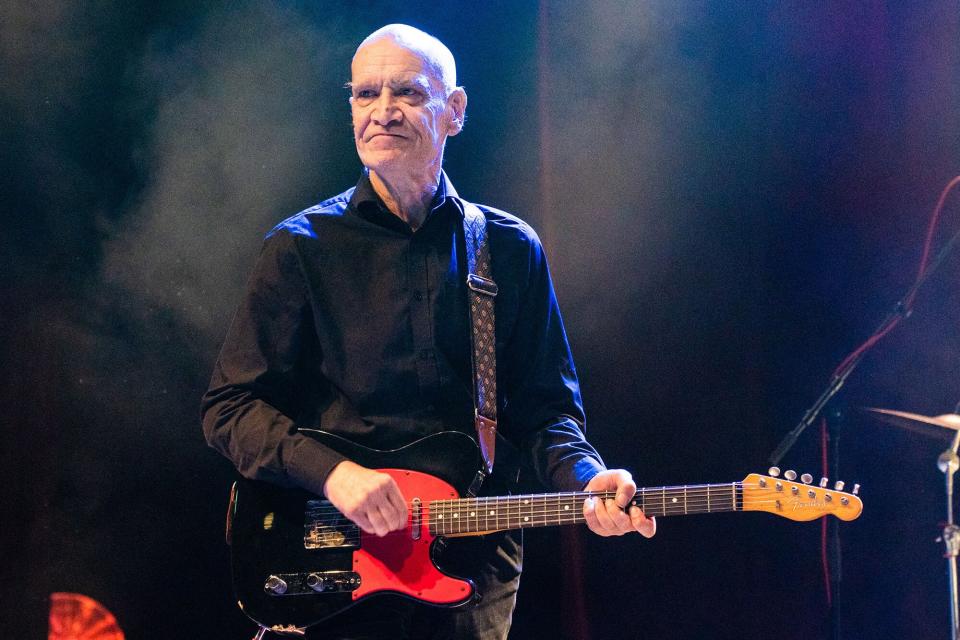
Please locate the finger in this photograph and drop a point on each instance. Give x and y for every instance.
(397, 506)
(626, 492)
(590, 515)
(620, 521)
(383, 520)
(378, 521)
(640, 522)
(604, 514)
(362, 521)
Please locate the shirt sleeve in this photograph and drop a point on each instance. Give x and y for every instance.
(543, 409)
(269, 360)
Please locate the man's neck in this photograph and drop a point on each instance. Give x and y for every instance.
(407, 197)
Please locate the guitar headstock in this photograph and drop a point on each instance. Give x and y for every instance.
(799, 500)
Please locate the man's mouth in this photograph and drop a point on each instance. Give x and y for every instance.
(384, 135)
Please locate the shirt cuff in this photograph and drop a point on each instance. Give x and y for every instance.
(310, 463)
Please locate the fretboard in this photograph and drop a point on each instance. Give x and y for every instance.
(475, 515)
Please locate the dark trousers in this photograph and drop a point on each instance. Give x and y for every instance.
(493, 562)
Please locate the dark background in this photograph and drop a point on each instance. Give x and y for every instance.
(732, 194)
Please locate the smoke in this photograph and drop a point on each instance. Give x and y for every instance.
(153, 154)
(241, 113)
(626, 106)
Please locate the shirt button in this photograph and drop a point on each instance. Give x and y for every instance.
(418, 295)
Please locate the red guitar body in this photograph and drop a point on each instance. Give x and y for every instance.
(398, 563)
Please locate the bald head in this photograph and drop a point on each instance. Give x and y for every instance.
(436, 56)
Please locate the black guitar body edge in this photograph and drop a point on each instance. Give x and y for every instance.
(267, 529)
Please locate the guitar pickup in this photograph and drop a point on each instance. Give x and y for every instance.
(416, 518)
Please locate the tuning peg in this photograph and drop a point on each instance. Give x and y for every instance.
(856, 489)
(806, 478)
(774, 471)
(823, 483)
(838, 485)
(790, 474)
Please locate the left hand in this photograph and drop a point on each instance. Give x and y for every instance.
(607, 517)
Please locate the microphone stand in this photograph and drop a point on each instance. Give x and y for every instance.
(900, 311)
(948, 463)
(951, 533)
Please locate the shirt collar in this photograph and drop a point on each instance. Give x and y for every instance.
(364, 197)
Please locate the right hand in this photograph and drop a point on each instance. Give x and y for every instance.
(369, 498)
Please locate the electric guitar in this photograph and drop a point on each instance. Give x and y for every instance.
(297, 561)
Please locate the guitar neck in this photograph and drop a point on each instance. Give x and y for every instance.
(474, 516)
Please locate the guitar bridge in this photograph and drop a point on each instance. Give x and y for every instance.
(326, 528)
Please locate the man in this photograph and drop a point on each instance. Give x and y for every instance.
(355, 321)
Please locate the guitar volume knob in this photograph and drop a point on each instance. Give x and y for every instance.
(275, 585)
(317, 582)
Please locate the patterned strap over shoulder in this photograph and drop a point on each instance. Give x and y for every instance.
(481, 290)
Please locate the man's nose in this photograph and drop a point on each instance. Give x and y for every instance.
(385, 109)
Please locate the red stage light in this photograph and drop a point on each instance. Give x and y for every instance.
(74, 616)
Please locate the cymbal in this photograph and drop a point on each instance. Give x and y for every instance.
(915, 421)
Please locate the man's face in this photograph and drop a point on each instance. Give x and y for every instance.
(401, 118)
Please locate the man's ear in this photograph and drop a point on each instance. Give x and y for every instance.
(457, 104)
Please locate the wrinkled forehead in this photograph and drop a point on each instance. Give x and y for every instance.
(387, 61)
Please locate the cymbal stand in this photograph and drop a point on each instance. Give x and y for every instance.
(948, 463)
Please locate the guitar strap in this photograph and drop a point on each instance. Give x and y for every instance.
(481, 290)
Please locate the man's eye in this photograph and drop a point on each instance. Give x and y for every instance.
(366, 93)
(407, 91)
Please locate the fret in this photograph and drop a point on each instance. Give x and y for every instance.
(498, 513)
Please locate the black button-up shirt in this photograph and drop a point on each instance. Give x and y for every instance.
(355, 324)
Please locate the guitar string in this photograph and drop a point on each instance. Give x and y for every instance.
(451, 527)
(556, 513)
(653, 494)
(534, 509)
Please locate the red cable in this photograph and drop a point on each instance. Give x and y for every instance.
(908, 303)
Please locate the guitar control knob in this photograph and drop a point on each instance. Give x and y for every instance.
(823, 483)
(838, 486)
(790, 474)
(316, 582)
(275, 585)
(806, 478)
(774, 471)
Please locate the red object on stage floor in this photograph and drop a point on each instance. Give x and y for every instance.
(74, 616)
